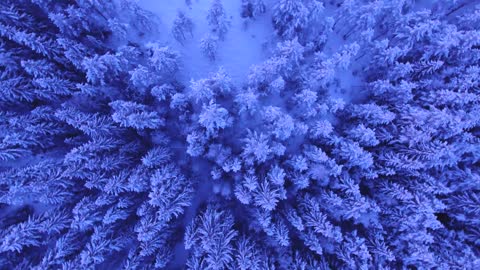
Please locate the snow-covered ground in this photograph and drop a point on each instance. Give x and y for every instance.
(243, 46)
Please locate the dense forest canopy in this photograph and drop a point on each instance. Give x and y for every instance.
(354, 143)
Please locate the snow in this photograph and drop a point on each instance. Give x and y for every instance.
(246, 42)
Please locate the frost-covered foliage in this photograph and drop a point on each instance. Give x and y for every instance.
(354, 145)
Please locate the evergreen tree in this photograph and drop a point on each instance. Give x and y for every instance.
(182, 25)
(209, 46)
(217, 19)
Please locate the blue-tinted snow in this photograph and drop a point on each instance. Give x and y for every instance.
(246, 43)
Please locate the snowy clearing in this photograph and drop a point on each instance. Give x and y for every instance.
(246, 42)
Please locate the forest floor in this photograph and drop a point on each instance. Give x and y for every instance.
(247, 42)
